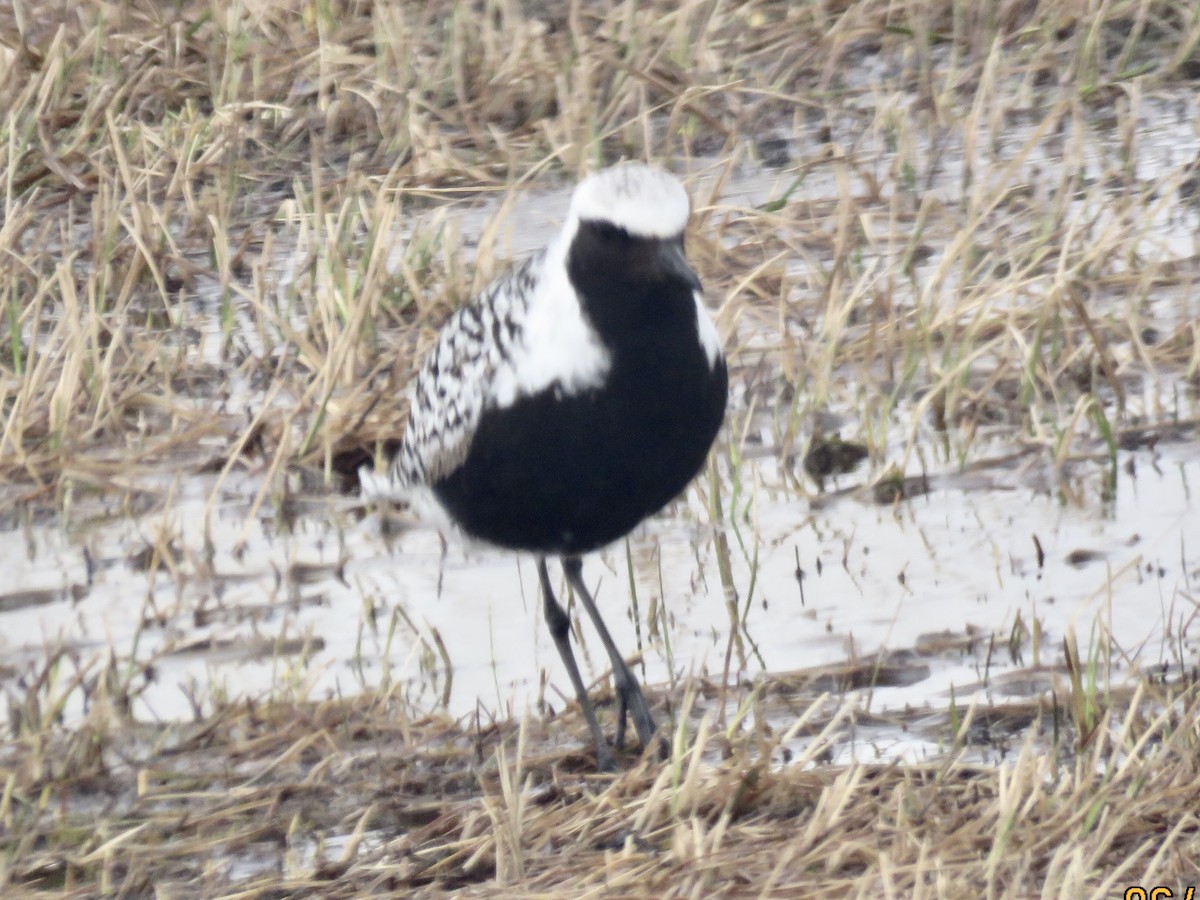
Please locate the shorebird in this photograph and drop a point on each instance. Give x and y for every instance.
(575, 396)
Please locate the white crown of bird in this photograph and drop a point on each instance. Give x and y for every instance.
(644, 200)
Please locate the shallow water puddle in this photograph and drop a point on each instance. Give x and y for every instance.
(332, 606)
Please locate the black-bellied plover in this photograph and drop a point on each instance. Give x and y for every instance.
(577, 395)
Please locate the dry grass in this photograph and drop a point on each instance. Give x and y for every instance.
(350, 798)
(213, 190)
(224, 240)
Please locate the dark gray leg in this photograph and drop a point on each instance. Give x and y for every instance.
(560, 629)
(629, 694)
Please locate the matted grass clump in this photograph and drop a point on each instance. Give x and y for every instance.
(224, 240)
(361, 797)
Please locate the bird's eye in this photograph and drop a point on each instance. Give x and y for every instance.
(610, 233)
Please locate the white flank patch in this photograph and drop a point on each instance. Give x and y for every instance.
(424, 503)
(556, 346)
(419, 497)
(376, 485)
(643, 200)
(708, 331)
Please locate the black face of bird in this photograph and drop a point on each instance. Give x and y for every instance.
(609, 253)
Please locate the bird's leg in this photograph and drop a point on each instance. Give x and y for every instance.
(560, 629)
(629, 693)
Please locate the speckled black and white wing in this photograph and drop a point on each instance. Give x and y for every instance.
(458, 377)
